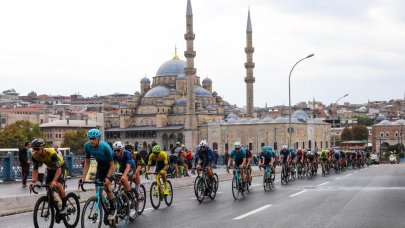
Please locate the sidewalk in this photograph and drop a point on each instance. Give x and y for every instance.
(15, 199)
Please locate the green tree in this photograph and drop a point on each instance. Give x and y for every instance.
(75, 140)
(364, 121)
(14, 135)
(346, 134)
(360, 132)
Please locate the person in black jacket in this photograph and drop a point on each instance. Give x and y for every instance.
(24, 162)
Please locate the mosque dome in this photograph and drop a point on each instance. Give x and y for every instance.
(385, 122)
(267, 120)
(231, 116)
(280, 119)
(173, 67)
(145, 80)
(158, 91)
(201, 92)
(400, 122)
(300, 115)
(181, 102)
(207, 80)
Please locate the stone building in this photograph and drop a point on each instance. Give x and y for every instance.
(386, 134)
(177, 106)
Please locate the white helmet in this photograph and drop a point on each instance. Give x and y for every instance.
(203, 143)
(284, 146)
(237, 145)
(118, 145)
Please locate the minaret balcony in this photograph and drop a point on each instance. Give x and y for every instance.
(189, 36)
(189, 54)
(190, 71)
(250, 79)
(249, 50)
(249, 65)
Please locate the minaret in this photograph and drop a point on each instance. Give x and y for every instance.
(190, 126)
(249, 65)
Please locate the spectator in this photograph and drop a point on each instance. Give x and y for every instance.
(55, 147)
(226, 156)
(216, 157)
(23, 156)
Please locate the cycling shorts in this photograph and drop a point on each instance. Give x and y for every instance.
(102, 170)
(51, 174)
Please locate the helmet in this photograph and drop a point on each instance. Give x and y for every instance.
(203, 143)
(118, 145)
(284, 146)
(237, 145)
(156, 149)
(264, 148)
(37, 143)
(178, 143)
(270, 148)
(94, 133)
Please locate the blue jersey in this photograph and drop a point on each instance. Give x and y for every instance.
(336, 155)
(293, 154)
(238, 155)
(102, 152)
(284, 153)
(208, 154)
(266, 154)
(126, 159)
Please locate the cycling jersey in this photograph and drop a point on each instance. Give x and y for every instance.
(324, 155)
(343, 155)
(124, 160)
(238, 156)
(138, 159)
(161, 160)
(284, 154)
(336, 155)
(51, 159)
(206, 156)
(102, 152)
(267, 155)
(293, 154)
(299, 153)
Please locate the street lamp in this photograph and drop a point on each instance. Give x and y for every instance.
(289, 97)
(333, 123)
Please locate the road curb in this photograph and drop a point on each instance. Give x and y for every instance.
(25, 203)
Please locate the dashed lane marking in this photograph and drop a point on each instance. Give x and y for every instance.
(252, 212)
(323, 183)
(298, 193)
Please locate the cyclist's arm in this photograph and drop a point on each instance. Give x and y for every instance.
(86, 168)
(111, 170)
(127, 169)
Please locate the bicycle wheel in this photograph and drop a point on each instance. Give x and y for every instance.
(195, 185)
(217, 181)
(236, 188)
(169, 198)
(123, 209)
(266, 181)
(200, 190)
(283, 179)
(154, 195)
(214, 187)
(71, 219)
(141, 199)
(134, 207)
(44, 214)
(92, 215)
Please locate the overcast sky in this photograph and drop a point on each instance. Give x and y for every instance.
(102, 47)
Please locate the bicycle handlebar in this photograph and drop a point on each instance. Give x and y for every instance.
(36, 186)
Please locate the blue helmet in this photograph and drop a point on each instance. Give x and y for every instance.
(264, 148)
(94, 133)
(270, 148)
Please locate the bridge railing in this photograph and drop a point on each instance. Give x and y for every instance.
(10, 169)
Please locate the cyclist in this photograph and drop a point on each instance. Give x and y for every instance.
(310, 160)
(336, 157)
(249, 158)
(239, 155)
(285, 157)
(300, 155)
(205, 156)
(293, 154)
(342, 159)
(367, 157)
(139, 163)
(182, 160)
(162, 164)
(126, 163)
(324, 159)
(267, 157)
(103, 154)
(55, 169)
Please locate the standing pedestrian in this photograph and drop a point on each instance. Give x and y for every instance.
(23, 157)
(226, 156)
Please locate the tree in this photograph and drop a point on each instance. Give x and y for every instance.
(364, 121)
(32, 94)
(75, 140)
(16, 134)
(346, 134)
(360, 132)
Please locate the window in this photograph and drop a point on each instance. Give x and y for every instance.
(303, 145)
(262, 145)
(251, 146)
(387, 134)
(381, 134)
(396, 134)
(226, 146)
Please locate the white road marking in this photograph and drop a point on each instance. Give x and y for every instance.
(147, 209)
(255, 185)
(298, 193)
(349, 175)
(355, 171)
(323, 183)
(337, 178)
(252, 212)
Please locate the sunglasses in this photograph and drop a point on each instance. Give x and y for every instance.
(92, 138)
(36, 148)
(118, 150)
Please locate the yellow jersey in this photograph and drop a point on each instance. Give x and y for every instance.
(51, 159)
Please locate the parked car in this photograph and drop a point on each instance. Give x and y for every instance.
(374, 159)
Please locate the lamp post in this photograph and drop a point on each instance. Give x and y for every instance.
(289, 97)
(333, 123)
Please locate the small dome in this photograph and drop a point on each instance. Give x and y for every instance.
(267, 120)
(400, 122)
(318, 120)
(231, 116)
(145, 80)
(254, 120)
(385, 122)
(243, 121)
(173, 67)
(201, 92)
(300, 115)
(181, 102)
(293, 120)
(280, 119)
(209, 108)
(158, 91)
(207, 80)
(232, 121)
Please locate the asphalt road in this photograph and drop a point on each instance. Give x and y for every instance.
(369, 197)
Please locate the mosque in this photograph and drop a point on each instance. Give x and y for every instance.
(166, 111)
